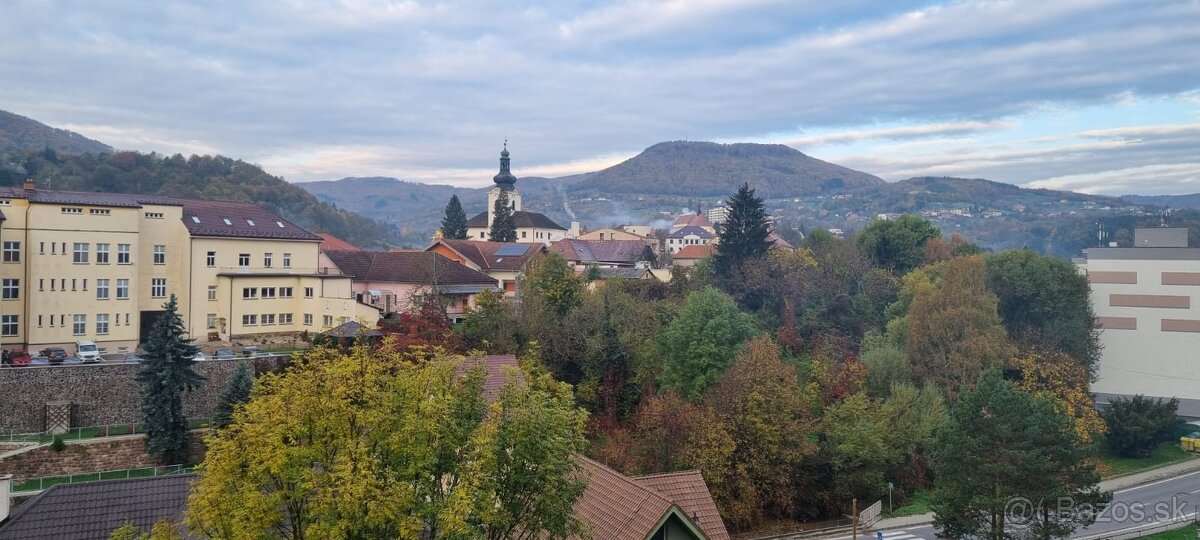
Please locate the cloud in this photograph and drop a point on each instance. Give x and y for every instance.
(901, 132)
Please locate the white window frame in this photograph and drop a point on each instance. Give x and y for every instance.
(102, 289)
(101, 324)
(79, 324)
(123, 287)
(158, 287)
(124, 254)
(160, 254)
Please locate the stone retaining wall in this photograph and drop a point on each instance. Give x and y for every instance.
(104, 394)
(91, 455)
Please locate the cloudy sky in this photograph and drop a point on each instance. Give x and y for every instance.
(1088, 95)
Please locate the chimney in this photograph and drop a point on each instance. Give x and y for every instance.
(30, 185)
(5, 495)
(574, 231)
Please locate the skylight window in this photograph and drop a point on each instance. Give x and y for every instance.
(250, 222)
(280, 223)
(195, 219)
(227, 222)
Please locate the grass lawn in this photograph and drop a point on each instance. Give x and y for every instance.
(1167, 454)
(1186, 533)
(916, 504)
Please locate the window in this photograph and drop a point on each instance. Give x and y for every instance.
(212, 292)
(81, 252)
(12, 252)
(126, 319)
(42, 248)
(285, 292)
(80, 326)
(268, 318)
(249, 320)
(39, 321)
(280, 223)
(42, 284)
(308, 292)
(70, 210)
(267, 259)
(287, 260)
(227, 222)
(101, 211)
(158, 287)
(53, 248)
(160, 254)
(211, 259)
(101, 289)
(122, 253)
(308, 318)
(212, 321)
(268, 292)
(327, 320)
(285, 318)
(244, 260)
(249, 293)
(101, 253)
(85, 284)
(101, 323)
(74, 282)
(154, 215)
(122, 289)
(249, 222)
(8, 325)
(12, 289)
(196, 219)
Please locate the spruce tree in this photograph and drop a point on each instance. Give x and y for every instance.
(744, 234)
(454, 225)
(236, 393)
(504, 228)
(166, 373)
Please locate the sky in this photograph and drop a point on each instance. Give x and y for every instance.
(1088, 95)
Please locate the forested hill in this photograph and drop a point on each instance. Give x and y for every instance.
(18, 133)
(206, 177)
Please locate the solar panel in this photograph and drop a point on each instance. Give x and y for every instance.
(512, 250)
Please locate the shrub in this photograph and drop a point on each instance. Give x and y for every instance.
(1137, 426)
(58, 445)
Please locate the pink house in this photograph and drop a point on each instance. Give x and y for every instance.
(398, 280)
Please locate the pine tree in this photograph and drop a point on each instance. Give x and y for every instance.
(744, 234)
(454, 225)
(165, 374)
(236, 393)
(504, 229)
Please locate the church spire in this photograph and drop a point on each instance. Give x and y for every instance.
(505, 178)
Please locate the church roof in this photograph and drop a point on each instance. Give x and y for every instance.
(521, 218)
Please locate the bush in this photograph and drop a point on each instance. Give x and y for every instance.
(1136, 427)
(58, 445)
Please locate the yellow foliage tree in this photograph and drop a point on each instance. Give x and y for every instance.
(1063, 379)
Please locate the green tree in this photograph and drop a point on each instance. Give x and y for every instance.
(165, 374)
(744, 234)
(551, 279)
(491, 325)
(237, 392)
(1045, 302)
(1137, 425)
(504, 228)
(1002, 445)
(886, 366)
(898, 245)
(700, 343)
(454, 224)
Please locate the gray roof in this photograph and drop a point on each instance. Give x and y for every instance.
(352, 329)
(421, 267)
(627, 273)
(691, 230)
(1176, 237)
(521, 218)
(95, 509)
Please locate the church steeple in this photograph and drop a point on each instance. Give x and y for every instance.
(505, 178)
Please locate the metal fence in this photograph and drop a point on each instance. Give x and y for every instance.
(89, 432)
(34, 485)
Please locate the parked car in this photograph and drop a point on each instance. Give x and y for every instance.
(56, 355)
(250, 351)
(199, 356)
(223, 354)
(16, 358)
(87, 351)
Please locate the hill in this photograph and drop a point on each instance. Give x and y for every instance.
(1170, 201)
(18, 133)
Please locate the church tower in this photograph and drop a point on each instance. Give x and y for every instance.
(505, 181)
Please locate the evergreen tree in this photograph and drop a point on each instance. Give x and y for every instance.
(504, 229)
(236, 393)
(454, 225)
(166, 373)
(744, 234)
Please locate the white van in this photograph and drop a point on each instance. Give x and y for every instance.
(87, 351)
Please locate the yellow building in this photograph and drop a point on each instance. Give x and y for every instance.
(99, 266)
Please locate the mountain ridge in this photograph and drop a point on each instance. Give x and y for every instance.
(21, 133)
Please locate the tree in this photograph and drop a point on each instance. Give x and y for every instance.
(237, 392)
(700, 343)
(886, 366)
(898, 245)
(744, 234)
(1136, 426)
(552, 280)
(454, 224)
(953, 332)
(504, 229)
(1062, 379)
(162, 530)
(165, 374)
(491, 325)
(423, 325)
(1001, 445)
(369, 445)
(1045, 303)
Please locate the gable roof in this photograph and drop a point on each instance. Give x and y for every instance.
(600, 251)
(691, 230)
(424, 267)
(330, 242)
(615, 507)
(688, 490)
(777, 242)
(485, 256)
(521, 219)
(692, 220)
(496, 368)
(95, 509)
(352, 329)
(695, 251)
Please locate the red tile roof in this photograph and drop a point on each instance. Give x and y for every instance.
(330, 242)
(695, 251)
(615, 507)
(692, 220)
(688, 490)
(484, 254)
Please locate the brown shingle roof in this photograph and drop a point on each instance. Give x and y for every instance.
(496, 367)
(422, 267)
(690, 220)
(330, 242)
(521, 219)
(94, 509)
(484, 254)
(615, 507)
(624, 252)
(688, 491)
(695, 251)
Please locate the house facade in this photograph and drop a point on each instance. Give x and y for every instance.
(691, 235)
(399, 281)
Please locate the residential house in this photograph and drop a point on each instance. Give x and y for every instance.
(604, 253)
(531, 226)
(96, 509)
(691, 235)
(617, 233)
(330, 242)
(690, 255)
(693, 220)
(396, 281)
(503, 261)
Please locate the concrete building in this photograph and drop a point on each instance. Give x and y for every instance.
(1147, 302)
(99, 266)
(531, 226)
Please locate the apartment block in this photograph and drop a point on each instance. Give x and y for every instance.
(100, 266)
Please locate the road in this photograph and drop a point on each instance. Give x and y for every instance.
(1132, 508)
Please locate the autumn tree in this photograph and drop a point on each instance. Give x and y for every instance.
(898, 244)
(454, 224)
(422, 325)
(491, 325)
(1057, 376)
(953, 331)
(701, 342)
(165, 374)
(743, 236)
(552, 280)
(504, 228)
(371, 445)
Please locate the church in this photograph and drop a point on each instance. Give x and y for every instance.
(532, 227)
